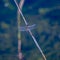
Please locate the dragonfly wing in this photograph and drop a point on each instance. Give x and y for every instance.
(32, 27)
(22, 29)
(28, 27)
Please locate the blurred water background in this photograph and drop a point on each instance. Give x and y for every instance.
(45, 14)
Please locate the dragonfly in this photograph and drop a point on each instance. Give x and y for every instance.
(25, 28)
(29, 28)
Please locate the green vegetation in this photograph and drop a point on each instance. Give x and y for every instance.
(41, 12)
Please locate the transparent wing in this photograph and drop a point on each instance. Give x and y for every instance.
(32, 26)
(22, 29)
(28, 27)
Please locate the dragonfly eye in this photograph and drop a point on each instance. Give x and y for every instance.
(25, 28)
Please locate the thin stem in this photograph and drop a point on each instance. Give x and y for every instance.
(21, 13)
(19, 35)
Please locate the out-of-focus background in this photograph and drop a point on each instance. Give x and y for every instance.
(45, 14)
